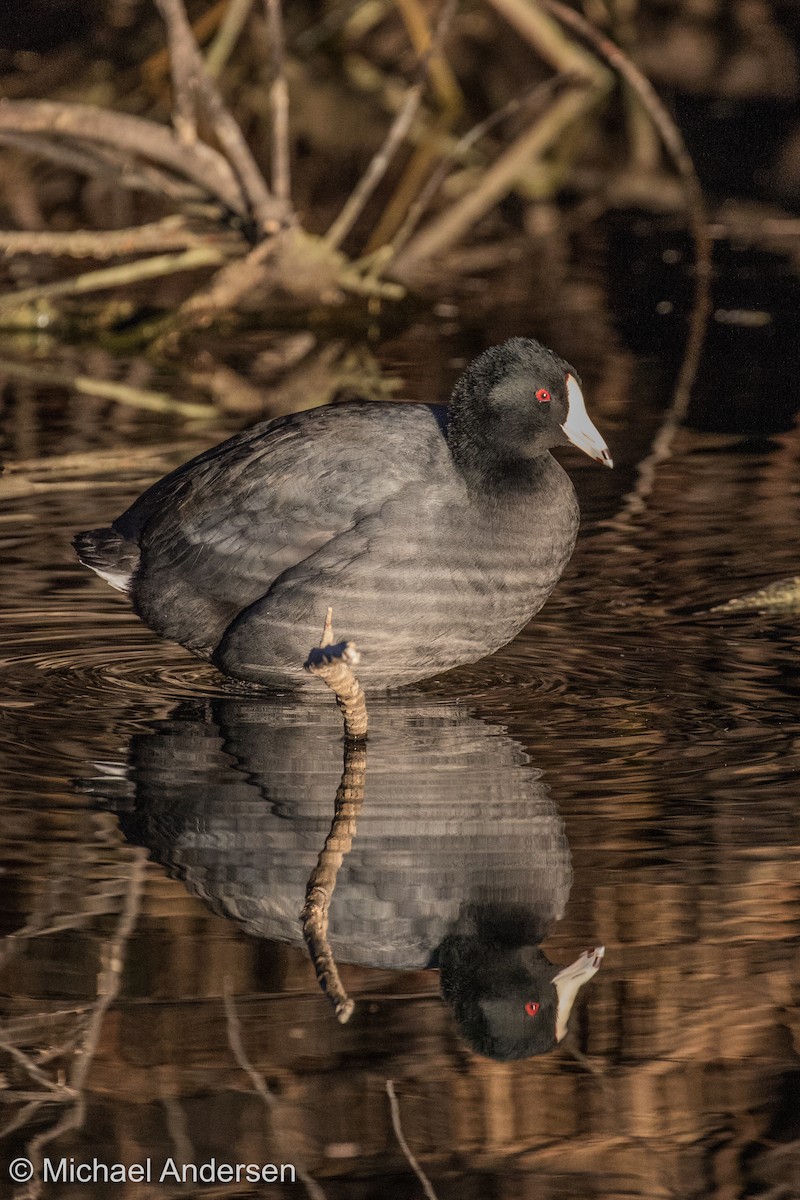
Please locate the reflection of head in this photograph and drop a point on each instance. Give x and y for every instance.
(508, 999)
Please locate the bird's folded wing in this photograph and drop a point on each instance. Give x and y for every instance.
(227, 524)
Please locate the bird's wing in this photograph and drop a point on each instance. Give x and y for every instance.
(219, 530)
(401, 583)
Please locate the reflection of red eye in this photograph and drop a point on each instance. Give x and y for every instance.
(531, 1008)
(543, 395)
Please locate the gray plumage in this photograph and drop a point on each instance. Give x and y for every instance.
(434, 537)
(456, 827)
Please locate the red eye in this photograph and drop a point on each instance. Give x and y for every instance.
(543, 396)
(531, 1008)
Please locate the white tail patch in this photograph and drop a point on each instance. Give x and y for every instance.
(121, 580)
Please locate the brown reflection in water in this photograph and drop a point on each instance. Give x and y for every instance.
(690, 1043)
(670, 742)
(691, 1032)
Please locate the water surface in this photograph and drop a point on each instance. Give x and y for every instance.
(640, 753)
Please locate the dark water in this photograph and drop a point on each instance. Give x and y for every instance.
(625, 774)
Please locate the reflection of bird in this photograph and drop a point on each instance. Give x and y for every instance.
(435, 537)
(459, 861)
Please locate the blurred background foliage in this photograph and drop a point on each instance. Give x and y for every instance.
(405, 166)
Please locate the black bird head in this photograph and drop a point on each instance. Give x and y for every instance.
(509, 1000)
(516, 401)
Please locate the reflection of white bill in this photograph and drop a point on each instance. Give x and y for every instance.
(569, 982)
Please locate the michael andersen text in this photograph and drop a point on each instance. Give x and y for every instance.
(170, 1170)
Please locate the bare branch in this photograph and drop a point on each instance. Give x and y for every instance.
(394, 138)
(376, 170)
(535, 96)
(279, 104)
(116, 168)
(199, 163)
(440, 233)
(171, 233)
(257, 1079)
(84, 161)
(548, 40)
(394, 1106)
(108, 277)
(183, 55)
(228, 34)
(676, 147)
(592, 82)
(191, 74)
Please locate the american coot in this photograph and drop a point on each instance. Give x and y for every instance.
(435, 533)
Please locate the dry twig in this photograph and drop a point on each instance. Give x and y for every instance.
(376, 170)
(676, 147)
(592, 82)
(109, 981)
(109, 277)
(107, 389)
(447, 94)
(279, 105)
(236, 1044)
(497, 181)
(182, 54)
(116, 168)
(190, 76)
(536, 96)
(397, 131)
(146, 139)
(394, 1106)
(171, 233)
(228, 34)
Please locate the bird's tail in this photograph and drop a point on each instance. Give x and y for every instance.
(109, 554)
